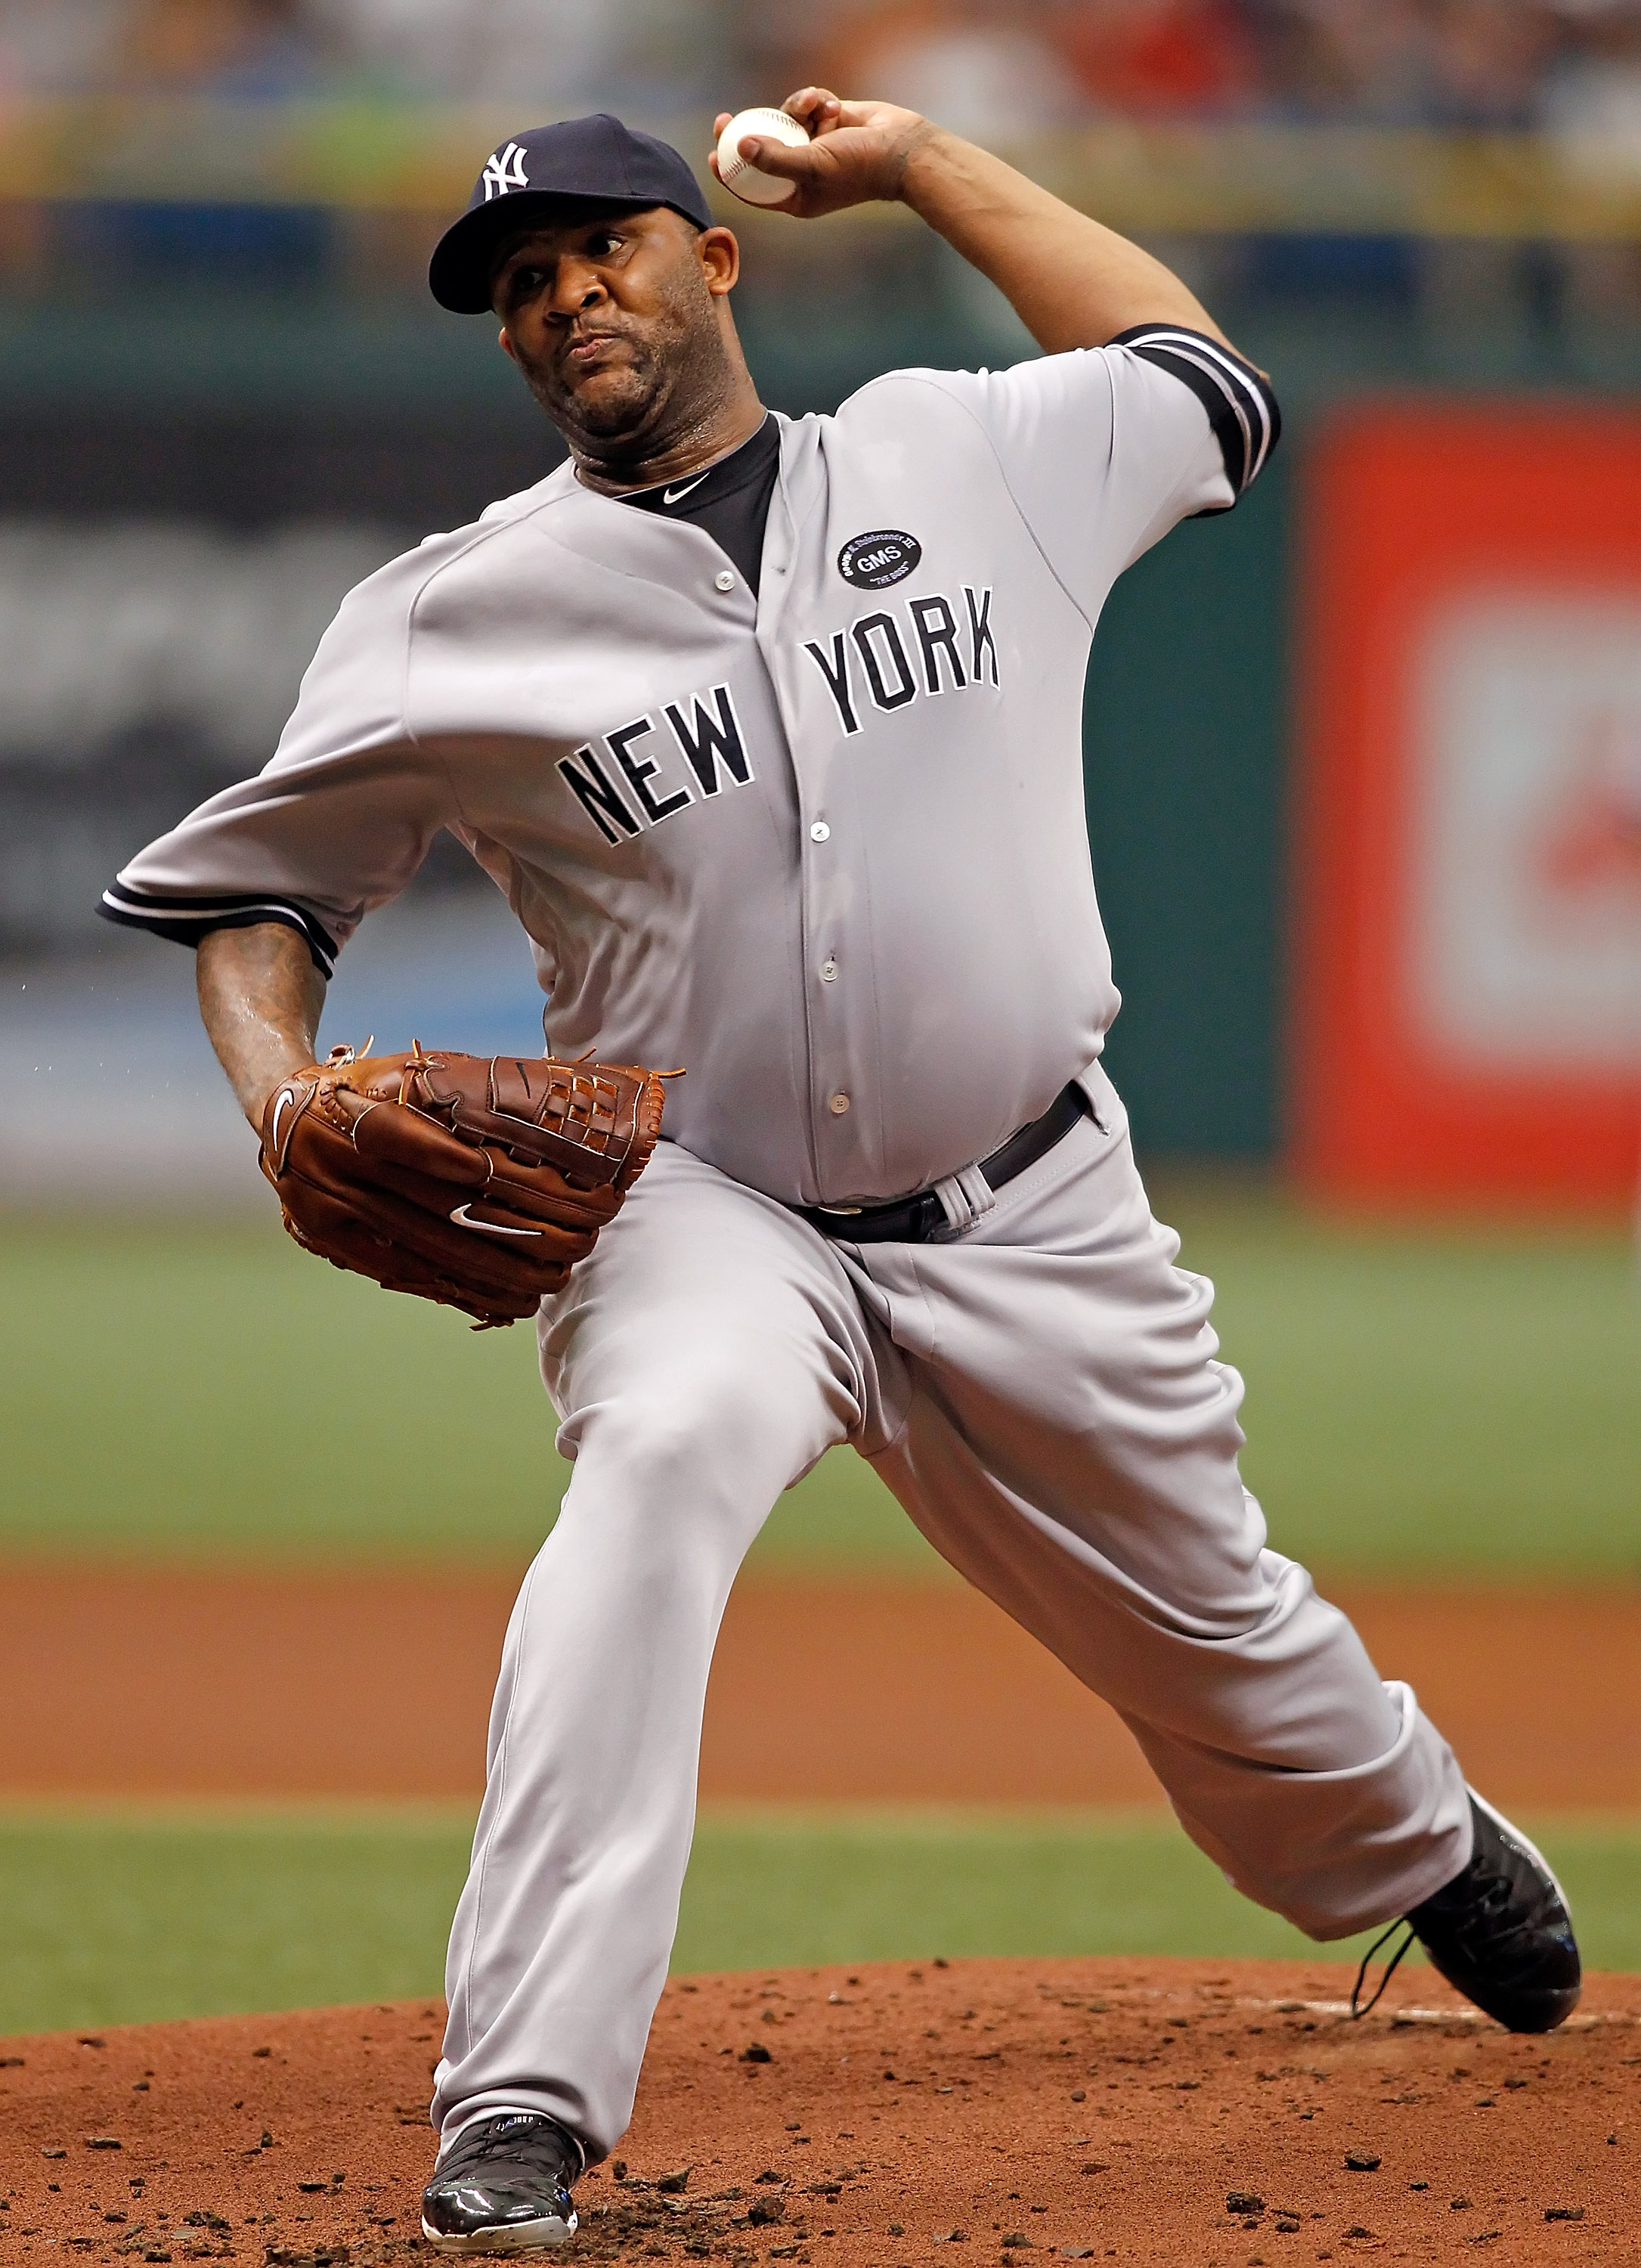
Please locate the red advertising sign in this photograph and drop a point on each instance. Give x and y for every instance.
(1466, 1013)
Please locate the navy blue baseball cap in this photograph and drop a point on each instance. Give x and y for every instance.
(596, 157)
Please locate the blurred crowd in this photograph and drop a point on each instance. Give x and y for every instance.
(1037, 64)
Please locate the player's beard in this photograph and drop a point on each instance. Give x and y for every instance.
(672, 376)
(616, 402)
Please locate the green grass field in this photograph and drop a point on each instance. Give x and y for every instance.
(1429, 1398)
(1422, 1402)
(109, 1918)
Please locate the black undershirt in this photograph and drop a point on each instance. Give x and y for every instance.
(730, 500)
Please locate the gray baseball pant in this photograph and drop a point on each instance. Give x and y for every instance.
(1041, 1395)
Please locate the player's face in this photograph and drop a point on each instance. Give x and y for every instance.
(613, 316)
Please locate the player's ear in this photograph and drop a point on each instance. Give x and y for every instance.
(719, 255)
(505, 344)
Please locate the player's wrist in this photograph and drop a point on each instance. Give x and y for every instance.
(924, 158)
(256, 1089)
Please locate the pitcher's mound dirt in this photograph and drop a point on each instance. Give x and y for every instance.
(1165, 2112)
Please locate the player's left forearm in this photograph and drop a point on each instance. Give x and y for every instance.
(261, 998)
(1072, 282)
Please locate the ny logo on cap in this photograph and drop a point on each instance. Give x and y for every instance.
(503, 171)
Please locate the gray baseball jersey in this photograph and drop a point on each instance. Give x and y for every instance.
(823, 847)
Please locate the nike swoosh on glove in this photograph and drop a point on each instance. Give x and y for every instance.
(477, 1182)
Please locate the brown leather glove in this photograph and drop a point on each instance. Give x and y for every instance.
(476, 1180)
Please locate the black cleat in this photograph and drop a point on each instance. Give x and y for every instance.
(504, 2186)
(1500, 1932)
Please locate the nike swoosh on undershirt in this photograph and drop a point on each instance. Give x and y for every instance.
(676, 496)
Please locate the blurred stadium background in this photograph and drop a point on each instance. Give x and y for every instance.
(1363, 768)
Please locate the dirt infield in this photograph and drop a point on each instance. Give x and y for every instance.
(1165, 2112)
(156, 1681)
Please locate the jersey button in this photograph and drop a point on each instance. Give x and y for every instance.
(820, 832)
(838, 1105)
(828, 972)
(724, 578)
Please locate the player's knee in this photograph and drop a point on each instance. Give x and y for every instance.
(714, 1429)
(672, 1434)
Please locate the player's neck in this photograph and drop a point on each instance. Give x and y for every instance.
(694, 446)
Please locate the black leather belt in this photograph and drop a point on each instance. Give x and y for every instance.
(915, 1220)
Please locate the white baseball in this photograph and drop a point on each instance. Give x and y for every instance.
(751, 186)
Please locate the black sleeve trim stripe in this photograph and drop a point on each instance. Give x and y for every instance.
(1240, 404)
(185, 920)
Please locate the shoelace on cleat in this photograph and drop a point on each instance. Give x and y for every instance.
(1485, 1907)
(547, 2148)
(1360, 2008)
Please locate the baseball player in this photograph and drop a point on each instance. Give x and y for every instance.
(769, 730)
